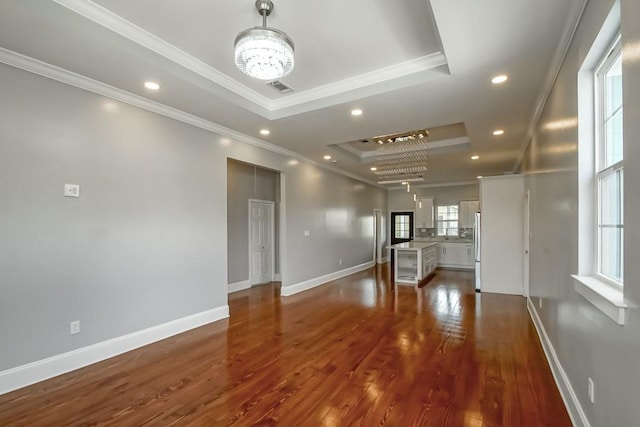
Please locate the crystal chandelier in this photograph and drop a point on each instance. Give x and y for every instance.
(262, 52)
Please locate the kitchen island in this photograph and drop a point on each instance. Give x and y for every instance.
(413, 261)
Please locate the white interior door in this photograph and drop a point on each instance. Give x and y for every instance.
(261, 244)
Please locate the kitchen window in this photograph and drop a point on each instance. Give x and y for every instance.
(447, 220)
(609, 175)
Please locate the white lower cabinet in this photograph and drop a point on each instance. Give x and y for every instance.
(468, 256)
(413, 265)
(458, 255)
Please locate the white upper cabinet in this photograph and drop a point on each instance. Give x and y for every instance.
(468, 208)
(424, 213)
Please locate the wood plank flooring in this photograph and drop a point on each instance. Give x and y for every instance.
(356, 352)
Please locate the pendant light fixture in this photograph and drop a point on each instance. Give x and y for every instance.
(262, 52)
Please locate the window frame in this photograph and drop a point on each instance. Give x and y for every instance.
(613, 53)
(448, 221)
(602, 294)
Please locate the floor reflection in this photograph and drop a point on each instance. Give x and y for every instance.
(356, 351)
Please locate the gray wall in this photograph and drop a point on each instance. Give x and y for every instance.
(147, 241)
(246, 182)
(138, 248)
(337, 212)
(588, 343)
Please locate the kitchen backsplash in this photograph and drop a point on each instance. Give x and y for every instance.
(432, 232)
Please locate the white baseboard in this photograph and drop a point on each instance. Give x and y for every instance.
(578, 417)
(317, 281)
(383, 260)
(239, 286)
(31, 373)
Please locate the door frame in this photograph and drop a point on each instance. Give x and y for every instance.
(526, 249)
(412, 231)
(377, 236)
(272, 210)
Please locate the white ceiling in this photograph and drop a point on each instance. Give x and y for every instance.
(409, 64)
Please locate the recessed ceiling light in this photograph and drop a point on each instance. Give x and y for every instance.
(334, 161)
(479, 176)
(374, 168)
(404, 182)
(152, 85)
(327, 157)
(498, 132)
(356, 112)
(499, 79)
(265, 132)
(475, 157)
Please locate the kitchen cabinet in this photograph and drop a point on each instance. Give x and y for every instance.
(414, 261)
(424, 213)
(468, 255)
(467, 211)
(456, 255)
(448, 254)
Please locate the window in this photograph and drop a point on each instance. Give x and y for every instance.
(609, 175)
(600, 274)
(447, 221)
(403, 225)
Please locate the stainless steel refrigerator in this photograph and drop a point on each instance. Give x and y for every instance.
(476, 244)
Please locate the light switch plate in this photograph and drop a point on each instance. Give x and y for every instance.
(71, 190)
(306, 233)
(74, 327)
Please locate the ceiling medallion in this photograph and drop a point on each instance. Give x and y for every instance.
(262, 52)
(401, 137)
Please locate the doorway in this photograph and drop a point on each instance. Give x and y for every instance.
(261, 241)
(401, 227)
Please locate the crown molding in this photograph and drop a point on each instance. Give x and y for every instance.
(550, 80)
(52, 72)
(104, 17)
(346, 90)
(370, 78)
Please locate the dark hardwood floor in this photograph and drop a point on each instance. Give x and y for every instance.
(357, 351)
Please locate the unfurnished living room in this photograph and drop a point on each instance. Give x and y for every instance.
(338, 213)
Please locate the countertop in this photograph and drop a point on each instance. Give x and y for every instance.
(444, 239)
(413, 245)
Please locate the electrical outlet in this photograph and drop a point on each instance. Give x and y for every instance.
(592, 390)
(71, 190)
(74, 327)
(306, 233)
(540, 302)
(340, 261)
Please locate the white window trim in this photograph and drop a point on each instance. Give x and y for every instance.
(448, 221)
(604, 294)
(607, 298)
(608, 58)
